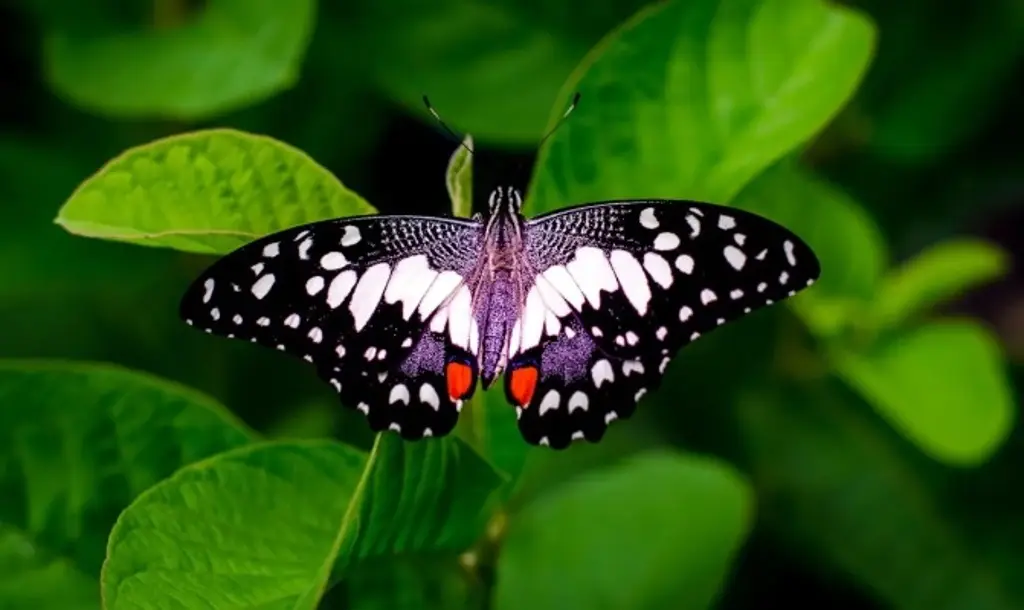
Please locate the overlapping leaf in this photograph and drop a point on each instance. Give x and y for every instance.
(694, 99)
(81, 442)
(208, 191)
(265, 526)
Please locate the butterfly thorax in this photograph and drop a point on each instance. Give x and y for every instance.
(498, 296)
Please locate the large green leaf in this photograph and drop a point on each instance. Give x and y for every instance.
(493, 68)
(79, 443)
(209, 191)
(657, 531)
(232, 53)
(265, 526)
(695, 98)
(941, 272)
(943, 385)
(845, 492)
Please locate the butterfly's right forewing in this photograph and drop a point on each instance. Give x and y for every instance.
(355, 297)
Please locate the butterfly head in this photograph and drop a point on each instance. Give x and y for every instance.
(504, 200)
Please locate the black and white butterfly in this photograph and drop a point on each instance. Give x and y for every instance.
(581, 309)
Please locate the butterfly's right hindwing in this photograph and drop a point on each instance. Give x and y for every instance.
(355, 297)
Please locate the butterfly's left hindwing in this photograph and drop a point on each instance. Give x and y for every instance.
(639, 280)
(355, 297)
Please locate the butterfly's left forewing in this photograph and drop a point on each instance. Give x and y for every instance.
(621, 287)
(356, 297)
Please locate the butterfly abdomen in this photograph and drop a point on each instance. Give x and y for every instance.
(499, 313)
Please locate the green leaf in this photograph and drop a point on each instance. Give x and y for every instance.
(80, 442)
(231, 54)
(936, 274)
(263, 526)
(459, 179)
(844, 493)
(845, 239)
(942, 385)
(493, 69)
(657, 531)
(694, 99)
(208, 191)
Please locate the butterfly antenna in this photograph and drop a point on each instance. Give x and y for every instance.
(448, 130)
(565, 115)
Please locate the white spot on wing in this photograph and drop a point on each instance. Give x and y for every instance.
(442, 287)
(735, 256)
(293, 320)
(340, 286)
(399, 393)
(351, 236)
(726, 222)
(428, 395)
(707, 296)
(459, 313)
(208, 290)
(633, 280)
(533, 320)
(271, 250)
(685, 313)
(409, 282)
(592, 273)
(602, 372)
(648, 219)
(304, 248)
(790, 256)
(314, 285)
(632, 366)
(316, 335)
(553, 299)
(560, 279)
(263, 285)
(367, 294)
(659, 269)
(578, 401)
(666, 241)
(684, 263)
(332, 261)
(550, 402)
(694, 225)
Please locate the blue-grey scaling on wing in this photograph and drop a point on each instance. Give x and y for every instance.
(581, 309)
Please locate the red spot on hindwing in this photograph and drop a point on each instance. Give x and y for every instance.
(522, 384)
(459, 377)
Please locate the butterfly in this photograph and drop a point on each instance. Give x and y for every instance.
(579, 311)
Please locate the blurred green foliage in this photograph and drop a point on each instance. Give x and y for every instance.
(855, 448)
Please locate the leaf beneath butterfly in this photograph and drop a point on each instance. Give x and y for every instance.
(232, 53)
(694, 99)
(657, 531)
(208, 191)
(265, 526)
(80, 443)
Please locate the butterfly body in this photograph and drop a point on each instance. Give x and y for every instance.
(580, 310)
